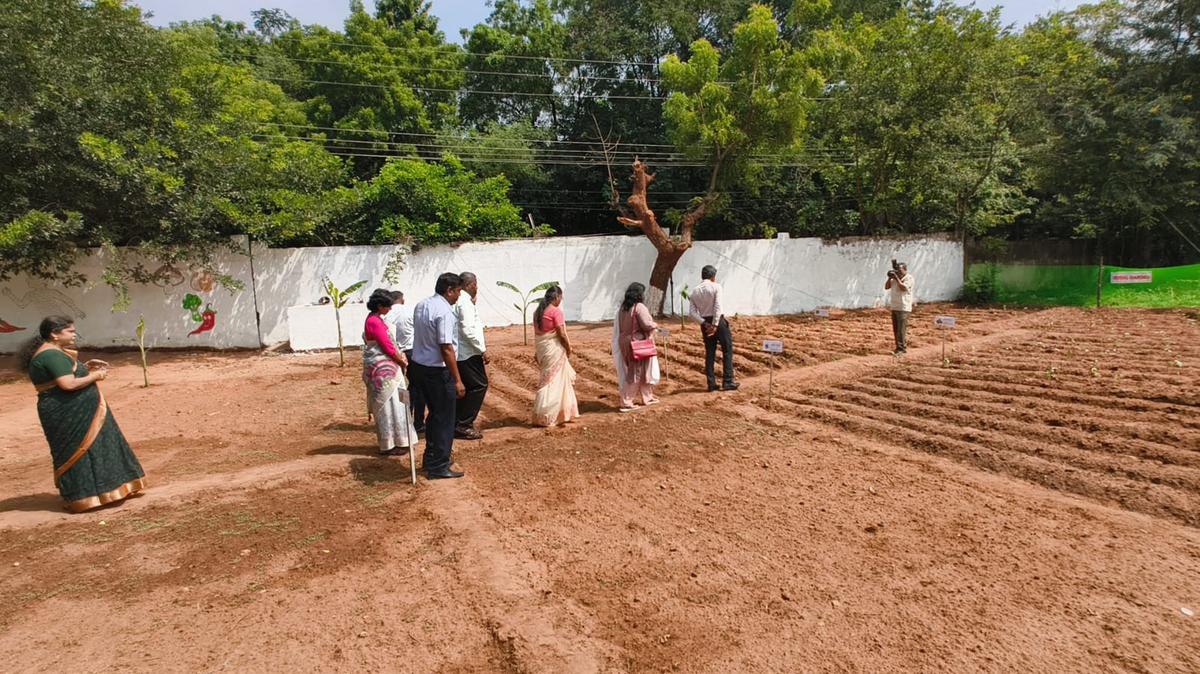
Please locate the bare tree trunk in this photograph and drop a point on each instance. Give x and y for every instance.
(660, 278)
(669, 251)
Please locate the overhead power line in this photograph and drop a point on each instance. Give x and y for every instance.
(467, 150)
(460, 52)
(563, 161)
(470, 71)
(534, 94)
(459, 137)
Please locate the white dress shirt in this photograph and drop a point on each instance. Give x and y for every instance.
(401, 320)
(705, 302)
(470, 328)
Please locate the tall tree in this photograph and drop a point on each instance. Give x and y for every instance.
(385, 81)
(1119, 162)
(731, 115)
(919, 130)
(514, 66)
(173, 152)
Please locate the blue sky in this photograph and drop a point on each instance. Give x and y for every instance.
(456, 14)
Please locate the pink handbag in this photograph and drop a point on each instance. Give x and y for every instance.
(643, 349)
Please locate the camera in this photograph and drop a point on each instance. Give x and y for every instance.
(894, 272)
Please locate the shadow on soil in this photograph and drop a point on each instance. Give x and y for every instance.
(45, 502)
(350, 426)
(595, 407)
(351, 450)
(506, 422)
(372, 472)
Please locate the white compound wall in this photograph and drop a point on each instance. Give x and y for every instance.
(763, 277)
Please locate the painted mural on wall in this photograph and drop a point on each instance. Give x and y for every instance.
(167, 277)
(40, 295)
(6, 327)
(203, 280)
(207, 318)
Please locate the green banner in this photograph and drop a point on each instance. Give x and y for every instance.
(1076, 285)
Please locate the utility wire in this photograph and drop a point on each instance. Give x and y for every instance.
(822, 300)
(1185, 238)
(468, 71)
(458, 52)
(617, 97)
(463, 151)
(458, 137)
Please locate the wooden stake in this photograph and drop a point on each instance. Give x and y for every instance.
(771, 382)
(666, 375)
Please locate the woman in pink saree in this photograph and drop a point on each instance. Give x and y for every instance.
(555, 402)
(387, 387)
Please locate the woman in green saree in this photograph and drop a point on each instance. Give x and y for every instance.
(93, 464)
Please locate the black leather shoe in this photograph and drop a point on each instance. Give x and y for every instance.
(730, 387)
(444, 474)
(713, 387)
(467, 434)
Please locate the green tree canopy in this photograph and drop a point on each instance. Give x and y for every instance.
(172, 152)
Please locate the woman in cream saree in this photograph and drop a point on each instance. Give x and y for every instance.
(555, 402)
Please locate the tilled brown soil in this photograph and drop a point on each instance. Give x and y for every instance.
(1031, 503)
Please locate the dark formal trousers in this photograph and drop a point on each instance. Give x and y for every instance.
(724, 337)
(475, 380)
(415, 397)
(437, 388)
(900, 329)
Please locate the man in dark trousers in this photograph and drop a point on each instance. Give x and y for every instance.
(900, 286)
(472, 358)
(705, 301)
(434, 371)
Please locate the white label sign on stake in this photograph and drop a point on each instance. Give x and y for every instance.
(821, 313)
(1121, 277)
(772, 346)
(945, 321)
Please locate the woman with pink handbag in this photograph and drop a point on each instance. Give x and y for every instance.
(635, 352)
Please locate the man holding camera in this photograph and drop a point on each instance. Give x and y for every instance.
(706, 310)
(900, 286)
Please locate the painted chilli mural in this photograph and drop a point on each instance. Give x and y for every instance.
(6, 327)
(207, 318)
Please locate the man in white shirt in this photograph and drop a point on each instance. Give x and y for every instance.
(900, 286)
(401, 320)
(706, 309)
(434, 370)
(472, 358)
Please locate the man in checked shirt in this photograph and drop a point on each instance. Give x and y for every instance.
(706, 309)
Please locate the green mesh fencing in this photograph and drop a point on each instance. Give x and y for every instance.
(1075, 285)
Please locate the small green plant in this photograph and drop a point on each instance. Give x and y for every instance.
(339, 298)
(141, 337)
(981, 287)
(528, 299)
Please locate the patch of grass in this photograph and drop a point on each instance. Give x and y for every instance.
(42, 595)
(1075, 285)
(310, 539)
(139, 525)
(373, 498)
(96, 537)
(245, 523)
